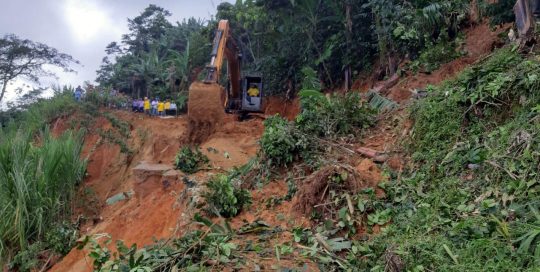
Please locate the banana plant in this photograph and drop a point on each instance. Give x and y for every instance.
(178, 68)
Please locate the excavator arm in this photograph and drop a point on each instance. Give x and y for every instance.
(225, 48)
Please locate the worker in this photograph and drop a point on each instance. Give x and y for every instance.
(173, 109)
(78, 93)
(160, 108)
(154, 106)
(134, 105)
(140, 106)
(253, 91)
(146, 105)
(168, 107)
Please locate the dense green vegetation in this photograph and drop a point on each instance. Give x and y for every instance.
(280, 39)
(38, 176)
(156, 57)
(471, 199)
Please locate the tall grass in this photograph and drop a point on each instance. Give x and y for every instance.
(38, 174)
(37, 181)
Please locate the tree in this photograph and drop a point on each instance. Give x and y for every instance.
(156, 57)
(147, 28)
(21, 58)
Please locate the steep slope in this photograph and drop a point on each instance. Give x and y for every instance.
(160, 206)
(156, 204)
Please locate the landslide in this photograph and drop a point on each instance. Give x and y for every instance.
(162, 209)
(157, 205)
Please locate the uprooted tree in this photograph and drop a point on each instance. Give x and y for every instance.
(22, 58)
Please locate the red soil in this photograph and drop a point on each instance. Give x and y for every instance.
(158, 213)
(279, 105)
(480, 41)
(162, 212)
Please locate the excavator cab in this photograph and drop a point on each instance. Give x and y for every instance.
(248, 101)
(252, 102)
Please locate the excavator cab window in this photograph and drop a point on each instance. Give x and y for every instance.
(252, 93)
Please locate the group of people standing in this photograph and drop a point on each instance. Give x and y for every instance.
(154, 107)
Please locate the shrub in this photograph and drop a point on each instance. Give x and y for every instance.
(190, 160)
(284, 142)
(28, 259)
(335, 116)
(224, 196)
(281, 142)
(62, 237)
(431, 58)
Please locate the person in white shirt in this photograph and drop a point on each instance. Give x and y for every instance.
(154, 107)
(173, 108)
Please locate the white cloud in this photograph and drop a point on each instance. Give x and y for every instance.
(88, 21)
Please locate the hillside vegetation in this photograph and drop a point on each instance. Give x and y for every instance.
(453, 184)
(466, 201)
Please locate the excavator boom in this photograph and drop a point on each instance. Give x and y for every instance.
(224, 48)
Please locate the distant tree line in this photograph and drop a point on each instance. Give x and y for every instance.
(339, 39)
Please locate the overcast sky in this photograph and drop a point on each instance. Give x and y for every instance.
(82, 28)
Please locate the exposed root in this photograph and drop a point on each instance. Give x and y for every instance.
(314, 190)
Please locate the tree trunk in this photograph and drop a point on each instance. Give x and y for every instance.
(4, 88)
(349, 27)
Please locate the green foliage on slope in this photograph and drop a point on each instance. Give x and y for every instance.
(470, 201)
(190, 160)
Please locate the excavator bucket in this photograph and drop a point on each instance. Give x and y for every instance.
(205, 110)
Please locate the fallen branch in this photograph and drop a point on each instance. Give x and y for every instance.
(494, 164)
(375, 155)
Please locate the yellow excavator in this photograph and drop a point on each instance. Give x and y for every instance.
(209, 100)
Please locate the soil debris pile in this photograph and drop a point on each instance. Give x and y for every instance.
(205, 111)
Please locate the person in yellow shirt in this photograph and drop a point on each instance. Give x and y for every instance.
(147, 105)
(168, 107)
(253, 91)
(160, 108)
